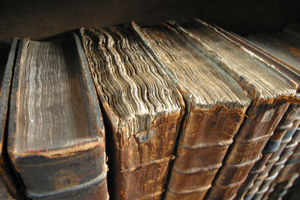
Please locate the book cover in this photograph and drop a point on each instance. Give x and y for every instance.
(143, 110)
(56, 137)
(7, 58)
(216, 107)
(284, 172)
(270, 91)
(287, 125)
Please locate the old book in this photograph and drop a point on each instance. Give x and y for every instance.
(216, 106)
(282, 188)
(269, 90)
(270, 182)
(286, 177)
(289, 68)
(7, 174)
(143, 111)
(56, 138)
(287, 125)
(292, 166)
(283, 47)
(263, 173)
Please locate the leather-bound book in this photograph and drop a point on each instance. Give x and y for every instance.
(278, 169)
(215, 109)
(263, 174)
(292, 166)
(56, 138)
(143, 110)
(269, 90)
(287, 125)
(7, 175)
(282, 188)
(284, 48)
(286, 177)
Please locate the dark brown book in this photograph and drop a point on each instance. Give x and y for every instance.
(268, 184)
(283, 47)
(216, 106)
(276, 51)
(282, 188)
(143, 111)
(56, 137)
(7, 174)
(286, 177)
(269, 90)
(286, 127)
(263, 173)
(292, 166)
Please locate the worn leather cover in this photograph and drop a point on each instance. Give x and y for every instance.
(286, 177)
(195, 167)
(291, 166)
(6, 172)
(284, 48)
(287, 125)
(282, 188)
(264, 114)
(143, 110)
(206, 133)
(263, 174)
(76, 169)
(268, 184)
(246, 150)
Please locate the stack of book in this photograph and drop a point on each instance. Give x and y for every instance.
(169, 111)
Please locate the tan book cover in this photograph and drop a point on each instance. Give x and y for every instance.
(143, 110)
(56, 137)
(216, 107)
(288, 124)
(270, 91)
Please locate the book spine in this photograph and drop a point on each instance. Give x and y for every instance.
(262, 176)
(143, 154)
(282, 188)
(204, 142)
(291, 166)
(270, 153)
(250, 182)
(80, 174)
(284, 68)
(287, 174)
(267, 184)
(133, 165)
(57, 178)
(247, 148)
(6, 171)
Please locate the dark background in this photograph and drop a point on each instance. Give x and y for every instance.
(40, 19)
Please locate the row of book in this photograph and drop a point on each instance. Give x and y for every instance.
(169, 111)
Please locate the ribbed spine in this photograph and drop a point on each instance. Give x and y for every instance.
(271, 153)
(267, 184)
